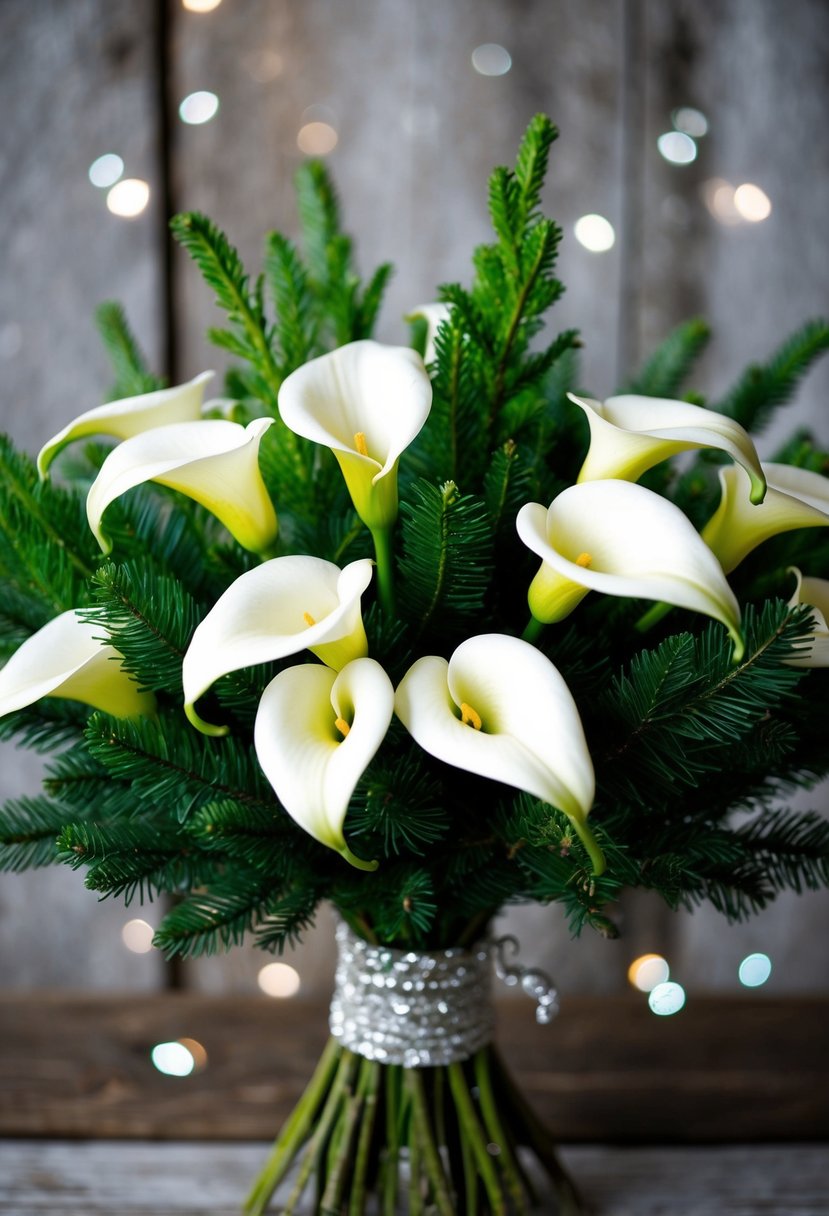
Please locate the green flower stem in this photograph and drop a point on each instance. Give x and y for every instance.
(589, 841)
(338, 1091)
(423, 1134)
(392, 1157)
(652, 617)
(489, 1110)
(533, 631)
(368, 1089)
(385, 569)
(474, 1137)
(415, 1165)
(340, 1155)
(294, 1132)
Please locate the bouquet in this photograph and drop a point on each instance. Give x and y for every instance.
(420, 630)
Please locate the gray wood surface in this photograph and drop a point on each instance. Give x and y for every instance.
(419, 131)
(181, 1179)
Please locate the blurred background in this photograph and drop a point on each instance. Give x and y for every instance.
(691, 178)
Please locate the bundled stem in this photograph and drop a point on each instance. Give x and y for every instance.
(443, 1140)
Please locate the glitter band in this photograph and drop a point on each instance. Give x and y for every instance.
(403, 1007)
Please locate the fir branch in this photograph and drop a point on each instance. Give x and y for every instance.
(765, 386)
(136, 859)
(664, 372)
(296, 331)
(218, 915)
(29, 830)
(368, 304)
(319, 217)
(132, 375)
(286, 918)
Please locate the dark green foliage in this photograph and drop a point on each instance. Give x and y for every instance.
(663, 374)
(680, 735)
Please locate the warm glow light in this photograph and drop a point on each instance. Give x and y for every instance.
(595, 233)
(316, 139)
(196, 1051)
(667, 999)
(677, 147)
(647, 971)
(173, 1059)
(128, 198)
(719, 199)
(200, 6)
(198, 108)
(690, 121)
(490, 59)
(106, 170)
(278, 979)
(754, 970)
(752, 203)
(137, 936)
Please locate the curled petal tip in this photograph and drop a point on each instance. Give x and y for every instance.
(357, 862)
(206, 728)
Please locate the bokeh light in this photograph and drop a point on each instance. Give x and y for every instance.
(264, 65)
(316, 138)
(677, 147)
(754, 970)
(173, 1059)
(106, 170)
(198, 108)
(648, 971)
(197, 1051)
(666, 999)
(278, 979)
(137, 936)
(752, 203)
(128, 198)
(200, 6)
(595, 233)
(490, 59)
(690, 121)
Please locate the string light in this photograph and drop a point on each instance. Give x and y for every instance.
(278, 979)
(754, 970)
(648, 971)
(137, 936)
(173, 1059)
(752, 203)
(490, 59)
(677, 147)
(200, 6)
(690, 121)
(595, 233)
(198, 108)
(128, 198)
(316, 138)
(666, 999)
(106, 170)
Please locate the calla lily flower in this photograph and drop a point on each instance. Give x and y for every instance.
(796, 498)
(499, 708)
(621, 539)
(67, 658)
(316, 732)
(630, 434)
(815, 593)
(212, 461)
(434, 315)
(284, 606)
(130, 416)
(366, 402)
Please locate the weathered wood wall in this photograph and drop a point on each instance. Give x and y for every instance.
(419, 131)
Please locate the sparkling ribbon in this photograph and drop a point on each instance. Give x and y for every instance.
(424, 1010)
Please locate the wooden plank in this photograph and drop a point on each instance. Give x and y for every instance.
(722, 1070)
(180, 1179)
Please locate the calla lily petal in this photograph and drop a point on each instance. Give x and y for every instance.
(621, 539)
(212, 461)
(815, 593)
(284, 606)
(434, 315)
(796, 498)
(316, 733)
(499, 708)
(630, 434)
(66, 658)
(130, 416)
(366, 402)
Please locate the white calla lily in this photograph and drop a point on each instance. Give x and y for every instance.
(795, 498)
(434, 315)
(618, 538)
(130, 416)
(815, 593)
(284, 606)
(499, 708)
(366, 402)
(214, 462)
(316, 732)
(66, 658)
(630, 434)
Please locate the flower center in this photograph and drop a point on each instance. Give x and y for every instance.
(470, 716)
(342, 726)
(308, 619)
(584, 560)
(360, 443)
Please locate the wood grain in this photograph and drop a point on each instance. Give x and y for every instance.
(722, 1070)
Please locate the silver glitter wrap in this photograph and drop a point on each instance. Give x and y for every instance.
(403, 1007)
